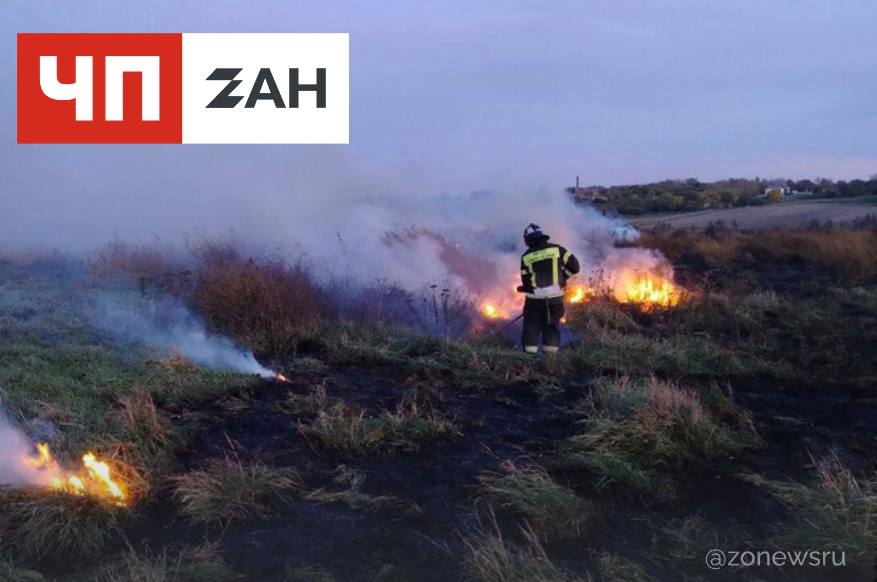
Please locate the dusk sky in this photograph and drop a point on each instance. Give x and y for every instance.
(458, 96)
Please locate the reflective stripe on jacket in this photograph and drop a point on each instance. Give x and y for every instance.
(545, 268)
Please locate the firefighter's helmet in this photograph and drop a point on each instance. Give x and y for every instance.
(533, 234)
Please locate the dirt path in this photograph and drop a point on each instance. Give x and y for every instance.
(772, 216)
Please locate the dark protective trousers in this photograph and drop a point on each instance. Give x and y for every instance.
(542, 318)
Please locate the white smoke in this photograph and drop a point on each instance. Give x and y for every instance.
(166, 325)
(14, 447)
(485, 229)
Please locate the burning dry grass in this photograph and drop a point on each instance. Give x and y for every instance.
(551, 510)
(38, 522)
(640, 432)
(268, 306)
(226, 490)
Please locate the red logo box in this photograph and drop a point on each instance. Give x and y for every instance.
(42, 119)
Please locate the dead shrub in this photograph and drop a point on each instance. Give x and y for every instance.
(268, 305)
(121, 262)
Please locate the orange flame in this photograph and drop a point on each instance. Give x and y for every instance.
(93, 479)
(650, 291)
(281, 378)
(490, 311)
(580, 293)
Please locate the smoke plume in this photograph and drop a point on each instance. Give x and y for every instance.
(167, 326)
(14, 447)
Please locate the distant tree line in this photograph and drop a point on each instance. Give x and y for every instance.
(692, 194)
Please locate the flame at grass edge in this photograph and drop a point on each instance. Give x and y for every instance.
(93, 479)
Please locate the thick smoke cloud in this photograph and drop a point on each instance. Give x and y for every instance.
(346, 219)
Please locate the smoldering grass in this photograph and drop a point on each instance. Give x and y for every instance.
(227, 489)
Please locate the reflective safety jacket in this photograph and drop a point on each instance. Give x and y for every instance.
(545, 267)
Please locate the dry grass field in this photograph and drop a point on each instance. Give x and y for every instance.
(741, 418)
(793, 213)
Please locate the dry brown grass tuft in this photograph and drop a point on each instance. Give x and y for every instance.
(141, 420)
(267, 305)
(226, 490)
(850, 253)
(641, 434)
(346, 429)
(837, 512)
(36, 522)
(201, 564)
(492, 559)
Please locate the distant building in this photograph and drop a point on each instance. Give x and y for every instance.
(592, 194)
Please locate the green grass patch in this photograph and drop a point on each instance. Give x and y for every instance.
(639, 434)
(836, 512)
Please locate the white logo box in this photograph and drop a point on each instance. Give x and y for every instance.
(265, 123)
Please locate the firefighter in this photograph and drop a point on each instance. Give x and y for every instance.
(545, 267)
